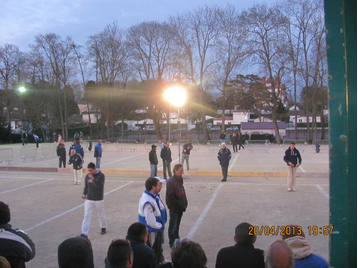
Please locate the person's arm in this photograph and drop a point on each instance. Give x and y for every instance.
(85, 189)
(150, 217)
(229, 157)
(28, 253)
(171, 197)
(299, 158)
(100, 182)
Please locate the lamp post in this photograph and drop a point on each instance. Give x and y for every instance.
(175, 96)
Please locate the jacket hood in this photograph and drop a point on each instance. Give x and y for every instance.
(300, 247)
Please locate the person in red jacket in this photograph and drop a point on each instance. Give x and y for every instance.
(176, 201)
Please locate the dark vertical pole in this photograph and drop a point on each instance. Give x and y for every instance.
(341, 24)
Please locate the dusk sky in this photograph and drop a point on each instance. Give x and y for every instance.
(22, 20)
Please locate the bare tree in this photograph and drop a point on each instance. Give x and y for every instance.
(230, 51)
(196, 34)
(305, 13)
(151, 46)
(265, 27)
(108, 50)
(58, 53)
(10, 60)
(82, 63)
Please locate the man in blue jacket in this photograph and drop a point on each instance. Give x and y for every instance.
(98, 153)
(293, 160)
(224, 157)
(152, 213)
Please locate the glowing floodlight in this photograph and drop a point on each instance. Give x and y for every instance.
(22, 89)
(176, 96)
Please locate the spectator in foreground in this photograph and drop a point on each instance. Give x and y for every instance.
(243, 254)
(302, 250)
(279, 255)
(75, 252)
(15, 245)
(189, 254)
(143, 256)
(119, 255)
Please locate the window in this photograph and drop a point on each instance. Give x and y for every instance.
(299, 120)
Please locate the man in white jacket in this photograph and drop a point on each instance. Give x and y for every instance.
(152, 212)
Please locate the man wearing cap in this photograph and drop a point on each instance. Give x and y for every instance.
(224, 157)
(153, 160)
(152, 212)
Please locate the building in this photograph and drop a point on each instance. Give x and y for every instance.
(263, 127)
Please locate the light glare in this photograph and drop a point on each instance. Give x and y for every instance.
(176, 96)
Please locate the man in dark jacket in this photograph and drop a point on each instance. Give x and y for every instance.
(293, 160)
(93, 194)
(77, 161)
(185, 154)
(243, 254)
(98, 153)
(61, 153)
(224, 157)
(233, 139)
(15, 245)
(153, 160)
(222, 137)
(176, 201)
(166, 155)
(143, 255)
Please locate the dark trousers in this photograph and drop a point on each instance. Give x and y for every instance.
(62, 160)
(37, 144)
(240, 145)
(174, 223)
(157, 245)
(234, 147)
(224, 169)
(166, 166)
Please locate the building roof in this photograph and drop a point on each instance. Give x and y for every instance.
(226, 118)
(261, 125)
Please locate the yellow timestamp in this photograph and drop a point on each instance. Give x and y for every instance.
(320, 230)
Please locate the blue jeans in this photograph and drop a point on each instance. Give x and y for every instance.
(174, 224)
(98, 162)
(153, 170)
(166, 165)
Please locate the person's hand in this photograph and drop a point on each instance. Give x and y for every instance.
(90, 176)
(298, 165)
(84, 197)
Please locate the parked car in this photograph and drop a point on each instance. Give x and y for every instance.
(233, 128)
(215, 128)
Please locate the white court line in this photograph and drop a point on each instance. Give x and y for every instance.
(203, 214)
(172, 162)
(70, 210)
(23, 187)
(302, 169)
(120, 160)
(322, 191)
(232, 164)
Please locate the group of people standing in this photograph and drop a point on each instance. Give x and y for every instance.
(76, 157)
(166, 156)
(237, 139)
